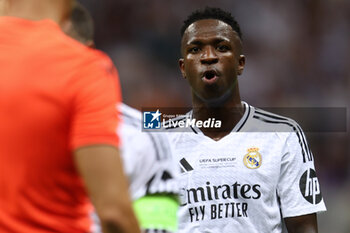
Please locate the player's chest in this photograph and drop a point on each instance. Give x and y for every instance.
(246, 159)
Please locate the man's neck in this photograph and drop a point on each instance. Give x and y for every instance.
(229, 113)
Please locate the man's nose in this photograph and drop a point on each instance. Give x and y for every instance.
(209, 55)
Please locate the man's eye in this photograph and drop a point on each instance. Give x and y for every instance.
(193, 50)
(222, 48)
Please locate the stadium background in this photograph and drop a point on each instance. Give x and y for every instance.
(298, 55)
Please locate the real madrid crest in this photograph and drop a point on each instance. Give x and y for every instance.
(253, 159)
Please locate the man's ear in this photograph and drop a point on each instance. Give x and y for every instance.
(67, 27)
(182, 67)
(241, 64)
(90, 44)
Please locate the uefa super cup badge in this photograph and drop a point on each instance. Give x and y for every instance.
(253, 159)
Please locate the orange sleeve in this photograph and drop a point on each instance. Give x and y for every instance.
(95, 116)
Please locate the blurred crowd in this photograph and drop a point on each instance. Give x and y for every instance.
(297, 55)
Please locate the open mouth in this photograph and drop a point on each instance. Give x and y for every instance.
(210, 77)
(210, 74)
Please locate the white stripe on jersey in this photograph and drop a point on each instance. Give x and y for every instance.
(275, 119)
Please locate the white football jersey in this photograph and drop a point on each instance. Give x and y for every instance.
(147, 160)
(146, 157)
(260, 173)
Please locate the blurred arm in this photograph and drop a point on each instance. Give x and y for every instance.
(101, 169)
(302, 224)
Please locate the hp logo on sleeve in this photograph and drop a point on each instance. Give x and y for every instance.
(310, 187)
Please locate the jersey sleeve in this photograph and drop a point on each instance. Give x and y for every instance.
(298, 188)
(94, 112)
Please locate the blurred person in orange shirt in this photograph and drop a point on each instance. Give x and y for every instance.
(146, 157)
(58, 121)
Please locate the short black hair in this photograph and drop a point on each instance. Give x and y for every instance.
(211, 13)
(82, 23)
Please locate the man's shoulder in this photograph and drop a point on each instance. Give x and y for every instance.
(131, 129)
(63, 49)
(131, 122)
(128, 112)
(265, 121)
(85, 56)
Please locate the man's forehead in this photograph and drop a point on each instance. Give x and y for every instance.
(209, 27)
